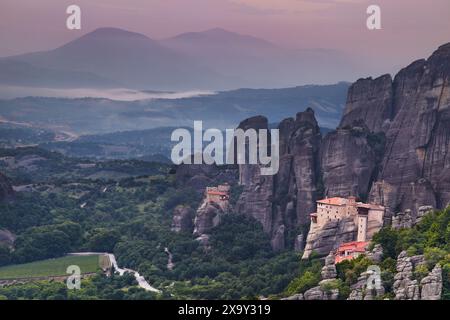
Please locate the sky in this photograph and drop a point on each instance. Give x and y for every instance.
(411, 29)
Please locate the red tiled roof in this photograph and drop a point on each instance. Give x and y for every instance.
(336, 201)
(354, 246)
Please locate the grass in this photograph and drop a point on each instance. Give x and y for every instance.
(52, 267)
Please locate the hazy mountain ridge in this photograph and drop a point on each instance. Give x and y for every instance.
(215, 59)
(222, 110)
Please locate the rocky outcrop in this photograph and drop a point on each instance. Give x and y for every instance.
(284, 201)
(256, 199)
(317, 293)
(406, 287)
(297, 296)
(6, 190)
(368, 287)
(299, 243)
(376, 255)
(422, 212)
(415, 167)
(370, 101)
(329, 269)
(349, 162)
(207, 217)
(432, 285)
(328, 238)
(402, 220)
(408, 219)
(326, 290)
(183, 219)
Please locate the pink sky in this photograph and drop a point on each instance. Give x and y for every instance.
(411, 28)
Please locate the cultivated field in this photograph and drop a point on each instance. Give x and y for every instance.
(52, 267)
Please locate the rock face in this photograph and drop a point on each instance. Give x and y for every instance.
(317, 293)
(407, 219)
(183, 218)
(6, 190)
(329, 269)
(370, 101)
(330, 237)
(412, 111)
(368, 287)
(285, 200)
(376, 255)
(403, 220)
(415, 168)
(432, 285)
(407, 288)
(349, 162)
(328, 274)
(207, 217)
(299, 243)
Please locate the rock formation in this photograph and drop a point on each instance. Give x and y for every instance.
(371, 101)
(299, 243)
(183, 218)
(284, 201)
(413, 112)
(330, 237)
(405, 287)
(368, 287)
(317, 293)
(407, 219)
(207, 217)
(415, 168)
(325, 290)
(403, 220)
(349, 162)
(376, 255)
(432, 285)
(329, 269)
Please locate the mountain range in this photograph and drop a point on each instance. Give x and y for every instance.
(215, 59)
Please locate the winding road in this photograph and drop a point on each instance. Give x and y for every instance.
(121, 271)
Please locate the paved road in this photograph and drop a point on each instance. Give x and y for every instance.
(121, 271)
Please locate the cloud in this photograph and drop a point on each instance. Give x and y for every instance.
(292, 6)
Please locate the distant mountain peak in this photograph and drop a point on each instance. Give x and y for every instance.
(219, 35)
(219, 31)
(114, 32)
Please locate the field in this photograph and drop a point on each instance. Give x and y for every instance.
(51, 267)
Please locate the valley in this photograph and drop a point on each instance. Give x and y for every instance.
(228, 232)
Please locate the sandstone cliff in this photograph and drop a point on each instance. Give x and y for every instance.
(350, 160)
(413, 112)
(329, 237)
(183, 219)
(407, 288)
(369, 100)
(284, 201)
(415, 167)
(208, 216)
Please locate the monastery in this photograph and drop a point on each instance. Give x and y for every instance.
(368, 219)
